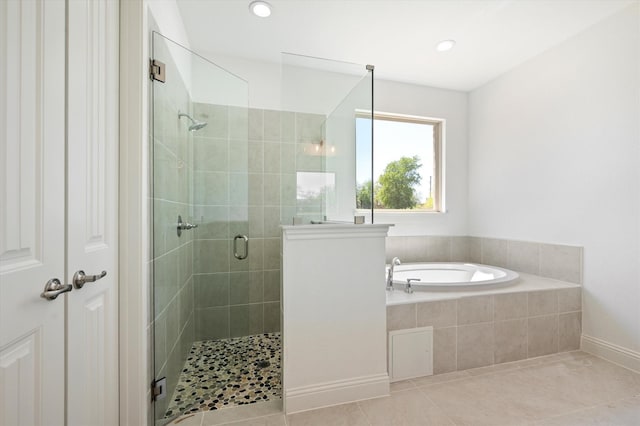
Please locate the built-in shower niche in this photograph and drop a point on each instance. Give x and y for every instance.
(326, 96)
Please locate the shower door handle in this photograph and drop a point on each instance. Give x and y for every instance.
(245, 239)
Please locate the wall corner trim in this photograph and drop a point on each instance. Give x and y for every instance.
(133, 237)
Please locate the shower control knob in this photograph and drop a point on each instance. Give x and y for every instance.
(184, 226)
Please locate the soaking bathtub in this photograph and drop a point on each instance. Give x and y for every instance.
(451, 276)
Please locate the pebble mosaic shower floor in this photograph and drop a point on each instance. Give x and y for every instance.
(229, 372)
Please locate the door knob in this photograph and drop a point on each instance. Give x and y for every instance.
(53, 288)
(80, 278)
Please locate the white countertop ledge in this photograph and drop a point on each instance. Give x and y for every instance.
(525, 283)
(330, 231)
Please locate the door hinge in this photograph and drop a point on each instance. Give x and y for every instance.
(159, 389)
(156, 70)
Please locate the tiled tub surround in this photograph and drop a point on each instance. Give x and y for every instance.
(537, 316)
(560, 262)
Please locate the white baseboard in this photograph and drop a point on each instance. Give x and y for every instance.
(614, 353)
(334, 393)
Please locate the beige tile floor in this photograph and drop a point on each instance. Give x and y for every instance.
(572, 388)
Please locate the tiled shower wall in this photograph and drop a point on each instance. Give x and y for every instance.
(245, 189)
(173, 320)
(561, 262)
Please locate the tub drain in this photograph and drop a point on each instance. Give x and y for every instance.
(263, 364)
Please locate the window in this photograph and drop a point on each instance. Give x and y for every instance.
(407, 165)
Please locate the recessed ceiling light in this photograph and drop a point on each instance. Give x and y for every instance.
(445, 45)
(260, 8)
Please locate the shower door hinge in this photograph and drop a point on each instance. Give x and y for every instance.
(156, 70)
(159, 389)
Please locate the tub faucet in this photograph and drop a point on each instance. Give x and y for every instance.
(408, 288)
(394, 263)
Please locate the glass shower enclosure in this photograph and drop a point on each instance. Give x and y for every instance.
(225, 178)
(212, 347)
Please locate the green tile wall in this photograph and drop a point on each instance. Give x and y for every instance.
(173, 321)
(245, 183)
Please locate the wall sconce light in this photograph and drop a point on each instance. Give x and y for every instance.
(320, 147)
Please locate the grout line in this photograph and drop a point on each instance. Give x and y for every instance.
(558, 326)
(455, 342)
(444, 413)
(591, 407)
(540, 316)
(539, 254)
(466, 376)
(527, 325)
(366, 418)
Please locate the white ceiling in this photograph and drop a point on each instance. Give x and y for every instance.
(397, 36)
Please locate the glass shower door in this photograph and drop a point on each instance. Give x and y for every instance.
(200, 209)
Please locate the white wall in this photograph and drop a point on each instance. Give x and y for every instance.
(409, 99)
(220, 87)
(166, 16)
(554, 156)
(263, 78)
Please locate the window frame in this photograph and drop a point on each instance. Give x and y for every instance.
(438, 125)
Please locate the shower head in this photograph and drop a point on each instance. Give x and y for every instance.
(195, 125)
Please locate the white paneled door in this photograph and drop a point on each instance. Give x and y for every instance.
(32, 211)
(92, 206)
(58, 211)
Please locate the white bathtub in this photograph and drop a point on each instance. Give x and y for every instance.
(451, 276)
